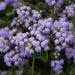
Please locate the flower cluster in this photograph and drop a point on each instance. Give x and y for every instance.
(4, 45)
(6, 72)
(14, 57)
(70, 10)
(57, 65)
(6, 32)
(55, 3)
(3, 72)
(3, 6)
(42, 32)
(26, 17)
(15, 3)
(24, 47)
(64, 36)
(64, 42)
(39, 37)
(19, 72)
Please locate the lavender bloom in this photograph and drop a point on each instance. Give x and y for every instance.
(44, 43)
(70, 10)
(26, 18)
(16, 63)
(70, 52)
(24, 47)
(61, 39)
(6, 32)
(15, 3)
(46, 48)
(35, 43)
(57, 65)
(4, 45)
(62, 30)
(56, 42)
(58, 35)
(3, 73)
(58, 48)
(19, 72)
(3, 6)
(54, 3)
(38, 49)
(46, 31)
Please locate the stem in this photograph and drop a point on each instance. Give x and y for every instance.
(33, 64)
(13, 70)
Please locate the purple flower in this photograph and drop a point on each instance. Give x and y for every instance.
(64, 35)
(62, 30)
(61, 61)
(31, 51)
(38, 49)
(57, 65)
(58, 48)
(58, 34)
(56, 42)
(44, 43)
(52, 63)
(16, 63)
(46, 48)
(46, 31)
(3, 6)
(54, 3)
(8, 64)
(67, 40)
(40, 37)
(35, 43)
(61, 39)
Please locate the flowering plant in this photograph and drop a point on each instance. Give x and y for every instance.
(37, 37)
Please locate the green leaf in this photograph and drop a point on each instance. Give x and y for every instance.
(38, 73)
(52, 72)
(57, 74)
(69, 67)
(44, 56)
(57, 29)
(72, 72)
(60, 73)
(15, 73)
(10, 13)
(63, 73)
(73, 0)
(10, 72)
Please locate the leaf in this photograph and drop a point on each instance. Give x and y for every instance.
(38, 73)
(63, 73)
(57, 74)
(26, 66)
(10, 72)
(69, 67)
(10, 13)
(15, 73)
(57, 29)
(73, 0)
(72, 72)
(44, 56)
(52, 72)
